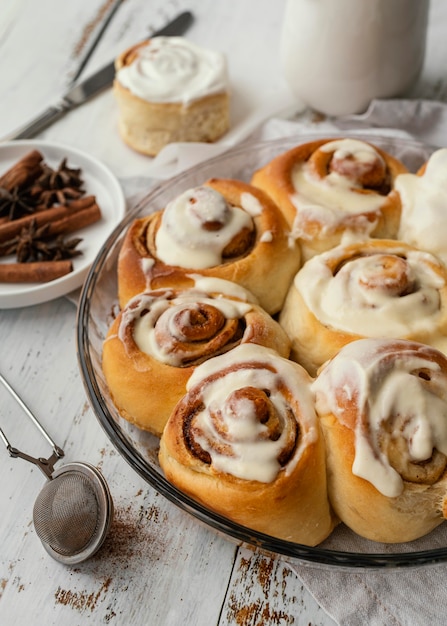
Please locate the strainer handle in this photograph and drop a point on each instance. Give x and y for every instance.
(46, 465)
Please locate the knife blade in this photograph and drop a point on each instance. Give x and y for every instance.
(91, 86)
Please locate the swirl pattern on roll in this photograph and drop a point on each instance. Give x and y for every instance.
(244, 420)
(184, 328)
(200, 229)
(353, 288)
(328, 188)
(161, 336)
(376, 288)
(245, 441)
(393, 395)
(223, 228)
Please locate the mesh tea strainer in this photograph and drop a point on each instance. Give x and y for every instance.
(73, 511)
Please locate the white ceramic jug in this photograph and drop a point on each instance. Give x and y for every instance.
(337, 55)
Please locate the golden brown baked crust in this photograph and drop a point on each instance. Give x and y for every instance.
(387, 283)
(345, 415)
(293, 504)
(149, 126)
(314, 230)
(263, 261)
(189, 326)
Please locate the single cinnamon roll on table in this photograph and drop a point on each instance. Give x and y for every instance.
(382, 404)
(245, 442)
(331, 187)
(224, 228)
(377, 288)
(170, 90)
(160, 337)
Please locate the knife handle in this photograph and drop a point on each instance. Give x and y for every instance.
(38, 124)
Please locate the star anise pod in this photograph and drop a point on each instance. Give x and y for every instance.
(15, 203)
(60, 178)
(29, 243)
(58, 196)
(60, 248)
(34, 244)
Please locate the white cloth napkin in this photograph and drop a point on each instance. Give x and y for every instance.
(410, 597)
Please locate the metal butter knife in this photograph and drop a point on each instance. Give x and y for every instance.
(91, 86)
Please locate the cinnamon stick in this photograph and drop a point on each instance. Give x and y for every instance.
(38, 272)
(75, 221)
(23, 171)
(11, 229)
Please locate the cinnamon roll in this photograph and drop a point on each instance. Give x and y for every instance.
(169, 89)
(160, 337)
(332, 187)
(245, 442)
(223, 228)
(382, 404)
(378, 288)
(423, 195)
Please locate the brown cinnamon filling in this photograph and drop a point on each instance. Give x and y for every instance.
(197, 332)
(236, 405)
(395, 445)
(369, 175)
(392, 275)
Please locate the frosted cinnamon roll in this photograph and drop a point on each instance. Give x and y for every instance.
(169, 89)
(223, 228)
(331, 187)
(378, 288)
(383, 408)
(245, 442)
(424, 206)
(160, 337)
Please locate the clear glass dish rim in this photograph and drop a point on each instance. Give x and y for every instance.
(297, 554)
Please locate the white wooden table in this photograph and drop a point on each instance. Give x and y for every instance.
(158, 565)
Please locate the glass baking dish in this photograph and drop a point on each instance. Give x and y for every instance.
(97, 308)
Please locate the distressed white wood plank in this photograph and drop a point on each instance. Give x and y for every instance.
(156, 560)
(41, 45)
(264, 590)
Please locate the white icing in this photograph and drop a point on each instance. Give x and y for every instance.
(253, 457)
(173, 69)
(146, 311)
(266, 237)
(214, 285)
(147, 264)
(383, 379)
(251, 204)
(330, 200)
(345, 302)
(424, 207)
(182, 239)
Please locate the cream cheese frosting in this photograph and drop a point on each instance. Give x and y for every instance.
(381, 378)
(361, 298)
(173, 69)
(424, 206)
(254, 454)
(331, 199)
(198, 224)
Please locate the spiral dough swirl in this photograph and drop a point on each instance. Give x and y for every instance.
(247, 413)
(184, 328)
(375, 289)
(393, 395)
